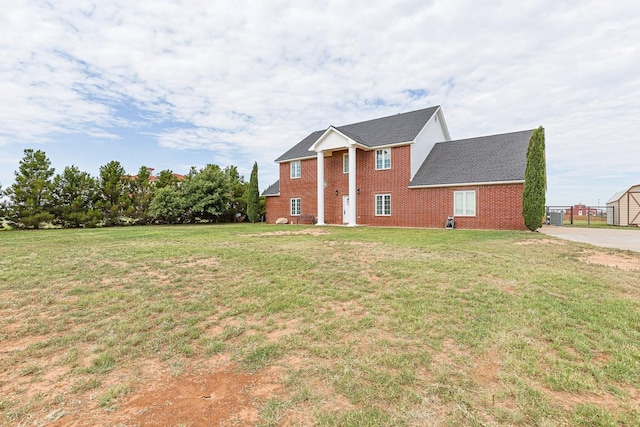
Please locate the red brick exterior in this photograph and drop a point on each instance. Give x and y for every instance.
(498, 207)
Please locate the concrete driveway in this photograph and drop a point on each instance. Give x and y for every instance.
(628, 239)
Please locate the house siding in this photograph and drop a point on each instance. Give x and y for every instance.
(498, 206)
(626, 208)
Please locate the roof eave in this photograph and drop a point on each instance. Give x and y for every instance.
(465, 184)
(293, 159)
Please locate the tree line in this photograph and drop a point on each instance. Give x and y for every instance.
(74, 198)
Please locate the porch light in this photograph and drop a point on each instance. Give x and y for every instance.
(336, 192)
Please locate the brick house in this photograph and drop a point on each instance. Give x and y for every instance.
(402, 170)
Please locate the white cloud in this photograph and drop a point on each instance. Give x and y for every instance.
(247, 80)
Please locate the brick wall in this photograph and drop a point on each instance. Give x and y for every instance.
(497, 206)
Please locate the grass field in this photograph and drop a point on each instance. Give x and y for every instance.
(327, 326)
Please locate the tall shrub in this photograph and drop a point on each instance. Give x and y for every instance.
(253, 196)
(535, 182)
(207, 193)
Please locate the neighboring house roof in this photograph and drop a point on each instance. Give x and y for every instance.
(389, 130)
(273, 190)
(153, 177)
(487, 159)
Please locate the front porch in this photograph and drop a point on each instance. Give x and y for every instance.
(332, 141)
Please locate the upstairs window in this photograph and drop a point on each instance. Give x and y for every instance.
(345, 163)
(383, 159)
(464, 203)
(295, 169)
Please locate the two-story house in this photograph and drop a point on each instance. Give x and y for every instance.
(402, 170)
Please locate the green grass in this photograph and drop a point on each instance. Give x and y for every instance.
(597, 223)
(367, 326)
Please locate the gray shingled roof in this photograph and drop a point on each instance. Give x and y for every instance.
(273, 190)
(371, 133)
(493, 158)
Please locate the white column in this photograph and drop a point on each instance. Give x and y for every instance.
(320, 164)
(352, 186)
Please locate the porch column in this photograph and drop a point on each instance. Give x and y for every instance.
(320, 165)
(352, 186)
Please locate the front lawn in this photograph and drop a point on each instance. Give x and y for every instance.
(329, 326)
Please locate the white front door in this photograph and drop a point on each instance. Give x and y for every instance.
(345, 209)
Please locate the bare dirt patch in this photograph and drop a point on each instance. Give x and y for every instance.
(225, 397)
(21, 344)
(569, 401)
(217, 395)
(612, 260)
(486, 370)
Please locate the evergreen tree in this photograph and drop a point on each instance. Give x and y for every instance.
(3, 207)
(207, 193)
(253, 196)
(166, 178)
(114, 199)
(75, 195)
(30, 196)
(140, 195)
(535, 182)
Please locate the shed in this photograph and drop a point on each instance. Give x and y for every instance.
(623, 208)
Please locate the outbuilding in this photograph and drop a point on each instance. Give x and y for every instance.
(623, 208)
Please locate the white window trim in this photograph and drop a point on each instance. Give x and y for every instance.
(464, 203)
(380, 152)
(291, 169)
(298, 201)
(375, 207)
(345, 163)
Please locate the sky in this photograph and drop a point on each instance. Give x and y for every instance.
(176, 84)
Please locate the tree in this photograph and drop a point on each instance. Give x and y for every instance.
(166, 178)
(30, 196)
(75, 195)
(167, 205)
(113, 193)
(238, 207)
(207, 193)
(3, 207)
(140, 195)
(253, 195)
(535, 182)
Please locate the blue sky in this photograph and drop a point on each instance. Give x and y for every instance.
(172, 85)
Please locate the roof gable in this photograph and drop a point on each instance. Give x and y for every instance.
(390, 130)
(617, 196)
(301, 149)
(487, 159)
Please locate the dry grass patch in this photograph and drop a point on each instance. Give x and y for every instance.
(540, 242)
